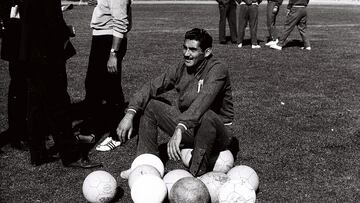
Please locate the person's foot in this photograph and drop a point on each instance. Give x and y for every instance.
(5, 137)
(43, 160)
(272, 42)
(255, 46)
(85, 139)
(240, 45)
(223, 42)
(275, 46)
(20, 145)
(125, 174)
(84, 163)
(306, 48)
(108, 144)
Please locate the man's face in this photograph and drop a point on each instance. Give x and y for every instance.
(192, 52)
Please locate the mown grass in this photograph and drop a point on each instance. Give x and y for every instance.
(297, 112)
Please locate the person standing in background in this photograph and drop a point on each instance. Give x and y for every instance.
(248, 12)
(43, 34)
(272, 10)
(296, 16)
(227, 9)
(104, 100)
(17, 94)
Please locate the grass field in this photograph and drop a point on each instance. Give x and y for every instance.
(297, 112)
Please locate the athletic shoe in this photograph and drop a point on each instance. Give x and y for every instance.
(255, 46)
(108, 144)
(86, 139)
(240, 45)
(272, 42)
(275, 46)
(307, 48)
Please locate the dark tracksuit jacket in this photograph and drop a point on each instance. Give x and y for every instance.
(215, 91)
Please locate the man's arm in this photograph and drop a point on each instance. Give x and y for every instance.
(121, 13)
(161, 84)
(140, 99)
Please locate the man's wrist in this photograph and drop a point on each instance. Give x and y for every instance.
(181, 127)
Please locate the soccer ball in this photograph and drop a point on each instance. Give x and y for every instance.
(140, 171)
(213, 182)
(149, 159)
(246, 173)
(236, 191)
(186, 156)
(173, 176)
(148, 189)
(99, 187)
(224, 162)
(189, 190)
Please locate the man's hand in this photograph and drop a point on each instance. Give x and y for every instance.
(112, 63)
(125, 127)
(287, 12)
(173, 146)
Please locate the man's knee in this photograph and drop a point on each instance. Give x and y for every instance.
(210, 117)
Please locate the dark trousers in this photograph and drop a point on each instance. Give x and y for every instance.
(248, 13)
(296, 17)
(17, 102)
(104, 95)
(207, 140)
(48, 105)
(227, 11)
(271, 20)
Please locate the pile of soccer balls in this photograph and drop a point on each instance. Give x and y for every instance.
(148, 184)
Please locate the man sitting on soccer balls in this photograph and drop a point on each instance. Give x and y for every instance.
(204, 107)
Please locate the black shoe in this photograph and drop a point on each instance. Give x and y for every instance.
(84, 164)
(43, 160)
(5, 137)
(20, 145)
(223, 42)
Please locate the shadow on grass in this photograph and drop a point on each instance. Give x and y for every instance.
(294, 43)
(118, 195)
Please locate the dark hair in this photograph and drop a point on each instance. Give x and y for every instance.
(200, 35)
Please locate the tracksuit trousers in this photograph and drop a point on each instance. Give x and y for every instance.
(208, 139)
(48, 112)
(17, 103)
(248, 13)
(296, 17)
(227, 11)
(271, 20)
(104, 95)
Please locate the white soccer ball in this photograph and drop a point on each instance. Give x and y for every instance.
(213, 181)
(224, 162)
(189, 190)
(99, 187)
(173, 176)
(140, 171)
(148, 189)
(149, 159)
(242, 172)
(236, 191)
